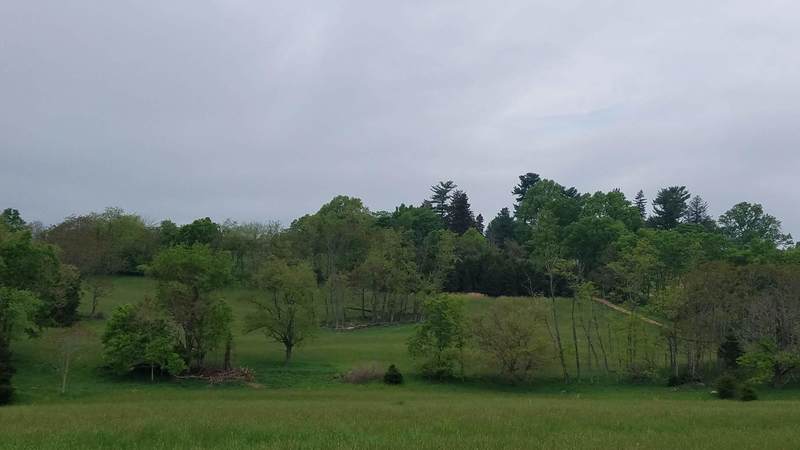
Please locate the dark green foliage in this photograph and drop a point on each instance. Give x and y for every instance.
(669, 207)
(501, 228)
(11, 219)
(729, 352)
(6, 372)
(641, 204)
(440, 198)
(393, 376)
(526, 182)
(201, 231)
(697, 213)
(748, 393)
(187, 278)
(479, 223)
(107, 243)
(60, 305)
(726, 386)
(168, 233)
(460, 217)
(419, 221)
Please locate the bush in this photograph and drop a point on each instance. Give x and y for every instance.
(438, 341)
(6, 391)
(363, 374)
(637, 373)
(726, 386)
(748, 394)
(393, 376)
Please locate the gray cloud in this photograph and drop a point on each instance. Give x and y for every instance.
(256, 110)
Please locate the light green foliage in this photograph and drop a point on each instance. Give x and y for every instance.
(141, 335)
(547, 195)
(764, 358)
(438, 342)
(747, 223)
(510, 334)
(286, 313)
(613, 205)
(18, 309)
(439, 257)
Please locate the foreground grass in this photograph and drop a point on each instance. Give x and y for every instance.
(376, 416)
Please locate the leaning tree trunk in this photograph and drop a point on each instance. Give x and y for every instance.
(575, 341)
(557, 332)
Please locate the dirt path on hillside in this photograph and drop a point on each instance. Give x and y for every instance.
(628, 312)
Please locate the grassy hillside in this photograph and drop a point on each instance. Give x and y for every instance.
(306, 406)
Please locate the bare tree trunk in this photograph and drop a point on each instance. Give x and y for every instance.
(599, 338)
(65, 374)
(363, 304)
(557, 333)
(288, 354)
(575, 341)
(227, 361)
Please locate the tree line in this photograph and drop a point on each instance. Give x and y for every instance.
(345, 265)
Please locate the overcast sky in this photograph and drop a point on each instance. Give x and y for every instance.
(256, 110)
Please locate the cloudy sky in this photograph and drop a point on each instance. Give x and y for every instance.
(257, 110)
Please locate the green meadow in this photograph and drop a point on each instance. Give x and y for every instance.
(306, 405)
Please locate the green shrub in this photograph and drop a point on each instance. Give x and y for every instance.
(393, 376)
(748, 394)
(726, 386)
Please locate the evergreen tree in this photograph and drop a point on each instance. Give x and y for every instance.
(501, 228)
(460, 217)
(526, 182)
(697, 211)
(441, 197)
(669, 207)
(479, 223)
(641, 204)
(12, 220)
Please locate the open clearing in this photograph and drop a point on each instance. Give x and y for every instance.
(306, 406)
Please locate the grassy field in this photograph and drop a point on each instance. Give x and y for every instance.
(306, 406)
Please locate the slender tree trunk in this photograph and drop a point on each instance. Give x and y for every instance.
(288, 355)
(227, 361)
(599, 338)
(152, 374)
(557, 332)
(575, 341)
(363, 304)
(64, 375)
(94, 303)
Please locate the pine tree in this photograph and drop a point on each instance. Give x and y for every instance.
(526, 182)
(441, 197)
(641, 204)
(501, 228)
(479, 223)
(460, 217)
(669, 207)
(697, 211)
